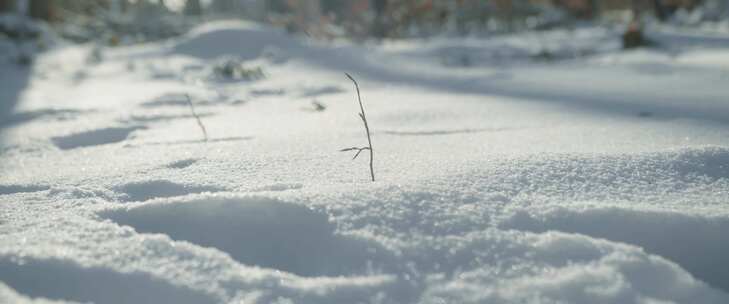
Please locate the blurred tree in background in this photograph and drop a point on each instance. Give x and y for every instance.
(7, 6)
(193, 7)
(42, 9)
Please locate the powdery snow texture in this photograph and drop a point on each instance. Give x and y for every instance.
(599, 176)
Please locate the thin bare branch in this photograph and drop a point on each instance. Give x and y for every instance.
(197, 117)
(367, 129)
(359, 150)
(354, 148)
(357, 154)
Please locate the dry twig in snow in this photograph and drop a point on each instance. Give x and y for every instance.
(197, 117)
(367, 129)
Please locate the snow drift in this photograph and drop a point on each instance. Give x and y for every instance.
(595, 178)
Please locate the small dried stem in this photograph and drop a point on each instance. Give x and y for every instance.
(367, 129)
(197, 117)
(359, 150)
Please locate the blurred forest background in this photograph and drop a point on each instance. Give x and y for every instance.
(123, 22)
(135, 20)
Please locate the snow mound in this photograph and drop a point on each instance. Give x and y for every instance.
(59, 279)
(703, 241)
(256, 231)
(571, 269)
(232, 38)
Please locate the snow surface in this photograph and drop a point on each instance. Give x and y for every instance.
(542, 168)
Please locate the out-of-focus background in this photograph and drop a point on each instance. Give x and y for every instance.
(120, 22)
(525, 151)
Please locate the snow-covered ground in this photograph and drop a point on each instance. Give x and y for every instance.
(532, 168)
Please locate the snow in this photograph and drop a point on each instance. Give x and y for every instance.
(592, 176)
(7, 295)
(243, 39)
